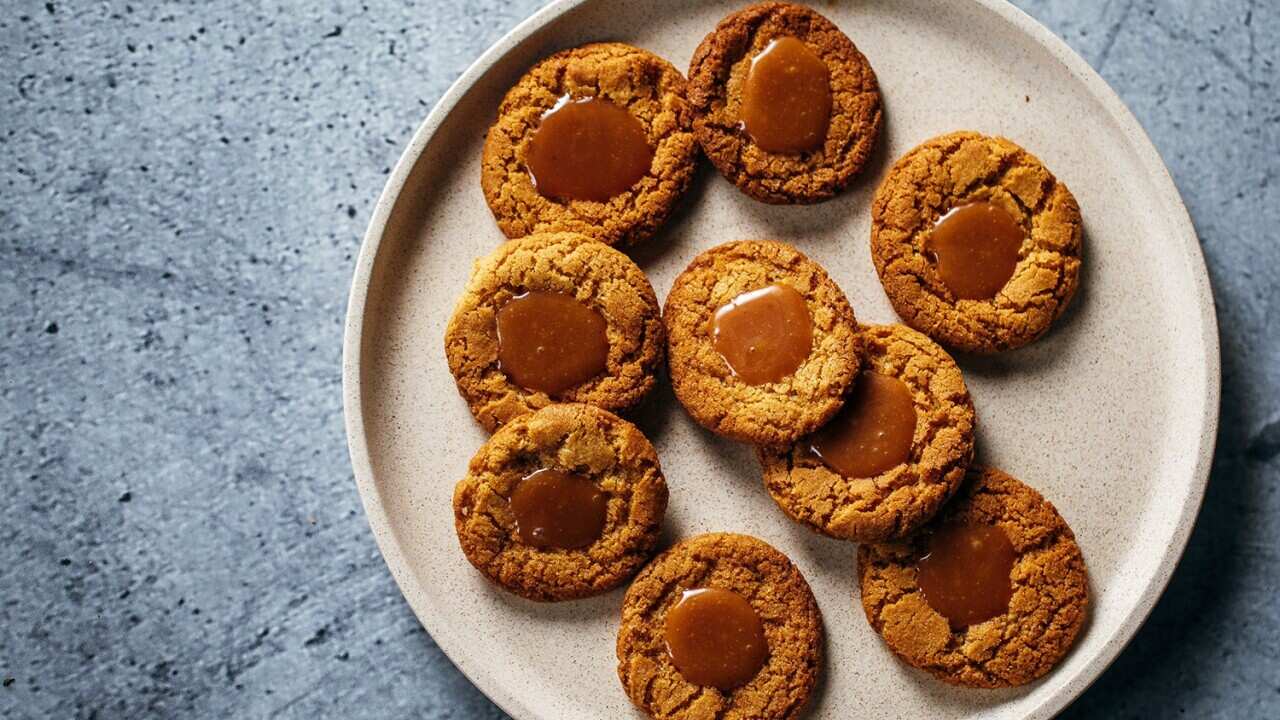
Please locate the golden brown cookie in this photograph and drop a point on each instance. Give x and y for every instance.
(648, 87)
(1044, 615)
(717, 78)
(951, 171)
(778, 594)
(771, 413)
(594, 274)
(599, 449)
(894, 502)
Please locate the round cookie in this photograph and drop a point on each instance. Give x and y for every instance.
(648, 87)
(778, 594)
(598, 276)
(947, 172)
(772, 413)
(718, 76)
(895, 502)
(1045, 613)
(581, 439)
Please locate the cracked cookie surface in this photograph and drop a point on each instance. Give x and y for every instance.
(772, 413)
(600, 277)
(576, 438)
(1046, 612)
(898, 501)
(651, 89)
(952, 170)
(717, 75)
(780, 597)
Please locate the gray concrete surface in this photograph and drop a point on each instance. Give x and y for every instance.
(184, 188)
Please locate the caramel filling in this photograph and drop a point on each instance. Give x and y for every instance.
(550, 341)
(715, 638)
(786, 104)
(556, 509)
(765, 334)
(587, 149)
(975, 247)
(965, 575)
(874, 430)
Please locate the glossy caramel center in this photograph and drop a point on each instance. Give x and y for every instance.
(587, 149)
(764, 334)
(786, 104)
(874, 430)
(715, 638)
(556, 509)
(976, 249)
(965, 575)
(550, 341)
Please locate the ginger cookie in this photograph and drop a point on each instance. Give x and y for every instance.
(992, 593)
(762, 344)
(561, 504)
(976, 243)
(596, 139)
(895, 452)
(553, 317)
(720, 626)
(785, 105)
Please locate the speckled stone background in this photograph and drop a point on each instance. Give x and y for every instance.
(184, 190)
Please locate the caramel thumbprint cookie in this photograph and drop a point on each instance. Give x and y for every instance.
(560, 504)
(553, 317)
(720, 626)
(895, 452)
(784, 104)
(976, 243)
(762, 344)
(597, 139)
(992, 593)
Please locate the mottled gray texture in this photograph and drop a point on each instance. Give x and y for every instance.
(184, 191)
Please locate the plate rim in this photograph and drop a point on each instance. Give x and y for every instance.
(1165, 188)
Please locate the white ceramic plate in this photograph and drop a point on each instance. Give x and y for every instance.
(1112, 415)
